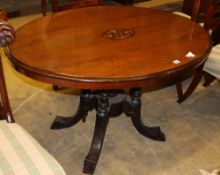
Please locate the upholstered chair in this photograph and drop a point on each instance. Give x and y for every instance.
(20, 153)
(212, 22)
(211, 69)
(212, 66)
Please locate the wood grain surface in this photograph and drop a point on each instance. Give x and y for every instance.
(68, 48)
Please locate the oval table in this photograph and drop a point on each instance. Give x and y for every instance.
(110, 53)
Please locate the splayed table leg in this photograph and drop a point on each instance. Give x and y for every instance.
(102, 118)
(86, 103)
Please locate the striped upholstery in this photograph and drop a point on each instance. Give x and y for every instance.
(212, 65)
(21, 154)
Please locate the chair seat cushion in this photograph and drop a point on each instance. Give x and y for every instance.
(212, 65)
(21, 154)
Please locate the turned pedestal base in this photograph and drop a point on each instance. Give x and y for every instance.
(107, 103)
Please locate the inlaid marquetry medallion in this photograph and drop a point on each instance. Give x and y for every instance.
(116, 34)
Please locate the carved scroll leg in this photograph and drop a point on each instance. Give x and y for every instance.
(151, 132)
(208, 79)
(102, 118)
(82, 111)
(194, 83)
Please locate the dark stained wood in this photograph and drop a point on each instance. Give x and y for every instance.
(212, 17)
(102, 119)
(3, 14)
(72, 54)
(134, 111)
(188, 6)
(108, 103)
(196, 10)
(87, 103)
(5, 109)
(216, 36)
(57, 5)
(7, 35)
(192, 86)
(208, 79)
(43, 7)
